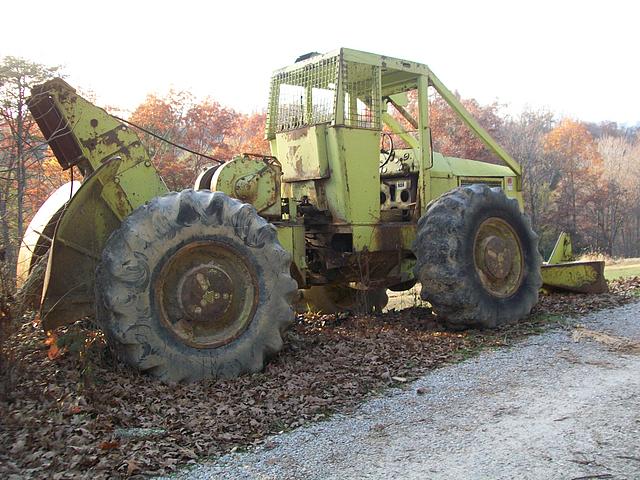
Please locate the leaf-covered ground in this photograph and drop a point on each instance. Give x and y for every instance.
(77, 414)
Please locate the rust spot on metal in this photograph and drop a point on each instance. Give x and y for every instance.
(207, 294)
(297, 134)
(388, 236)
(299, 166)
(122, 200)
(109, 138)
(498, 257)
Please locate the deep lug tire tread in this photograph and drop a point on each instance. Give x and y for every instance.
(124, 305)
(445, 265)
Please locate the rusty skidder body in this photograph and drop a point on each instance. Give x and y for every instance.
(202, 283)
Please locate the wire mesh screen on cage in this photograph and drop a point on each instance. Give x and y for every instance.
(361, 95)
(303, 96)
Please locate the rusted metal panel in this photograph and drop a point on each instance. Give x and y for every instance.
(393, 236)
(119, 177)
(254, 179)
(303, 154)
(68, 293)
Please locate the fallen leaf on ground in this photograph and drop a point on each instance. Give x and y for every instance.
(328, 364)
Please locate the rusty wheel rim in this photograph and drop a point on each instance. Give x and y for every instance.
(498, 259)
(207, 294)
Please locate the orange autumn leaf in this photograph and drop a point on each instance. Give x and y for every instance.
(54, 352)
(51, 342)
(106, 445)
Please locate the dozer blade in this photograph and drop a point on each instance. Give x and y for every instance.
(581, 277)
(560, 272)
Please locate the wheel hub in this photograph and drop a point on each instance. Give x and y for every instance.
(206, 294)
(498, 257)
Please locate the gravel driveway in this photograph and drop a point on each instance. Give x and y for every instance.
(551, 407)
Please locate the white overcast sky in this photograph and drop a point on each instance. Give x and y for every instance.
(577, 58)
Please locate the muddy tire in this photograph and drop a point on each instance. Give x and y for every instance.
(341, 298)
(477, 258)
(194, 285)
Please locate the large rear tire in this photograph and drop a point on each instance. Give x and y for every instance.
(195, 285)
(477, 258)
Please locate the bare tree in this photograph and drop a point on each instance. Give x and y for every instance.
(523, 137)
(21, 147)
(621, 177)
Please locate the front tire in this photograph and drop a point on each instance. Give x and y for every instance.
(477, 258)
(194, 285)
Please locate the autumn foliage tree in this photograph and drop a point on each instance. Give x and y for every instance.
(451, 136)
(574, 152)
(524, 138)
(619, 219)
(248, 135)
(205, 127)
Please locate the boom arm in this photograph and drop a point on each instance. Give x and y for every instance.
(118, 177)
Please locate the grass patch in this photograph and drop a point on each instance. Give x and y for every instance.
(621, 271)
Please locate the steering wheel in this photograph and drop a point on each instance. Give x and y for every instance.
(391, 153)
